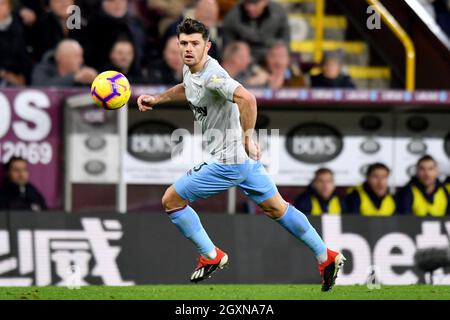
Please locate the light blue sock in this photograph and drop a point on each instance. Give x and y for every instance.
(298, 225)
(188, 222)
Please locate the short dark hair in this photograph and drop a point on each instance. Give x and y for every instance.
(11, 161)
(426, 157)
(376, 166)
(191, 26)
(321, 171)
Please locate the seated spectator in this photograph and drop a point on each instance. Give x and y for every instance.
(14, 60)
(424, 195)
(121, 59)
(259, 23)
(111, 23)
(282, 74)
(320, 197)
(63, 67)
(51, 28)
(170, 70)
(207, 12)
(331, 76)
(18, 193)
(372, 198)
(237, 61)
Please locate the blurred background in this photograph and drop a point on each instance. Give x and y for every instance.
(357, 89)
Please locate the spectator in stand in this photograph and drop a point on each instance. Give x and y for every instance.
(282, 73)
(259, 23)
(121, 59)
(372, 198)
(331, 76)
(63, 67)
(111, 23)
(206, 11)
(237, 61)
(14, 60)
(170, 70)
(51, 28)
(424, 195)
(18, 193)
(320, 196)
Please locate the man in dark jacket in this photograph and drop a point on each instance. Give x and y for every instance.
(260, 23)
(332, 76)
(424, 195)
(111, 23)
(64, 67)
(320, 197)
(372, 198)
(18, 193)
(14, 60)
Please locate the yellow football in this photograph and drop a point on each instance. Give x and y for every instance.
(110, 90)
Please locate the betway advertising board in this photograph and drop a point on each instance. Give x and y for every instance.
(113, 249)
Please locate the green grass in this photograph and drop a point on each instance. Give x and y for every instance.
(227, 292)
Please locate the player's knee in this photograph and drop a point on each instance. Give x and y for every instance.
(273, 212)
(171, 200)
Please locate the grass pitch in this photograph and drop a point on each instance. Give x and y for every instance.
(226, 292)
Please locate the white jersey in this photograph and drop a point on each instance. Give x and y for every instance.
(210, 96)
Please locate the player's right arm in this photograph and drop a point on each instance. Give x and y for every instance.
(146, 102)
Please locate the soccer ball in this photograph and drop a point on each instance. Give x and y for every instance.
(110, 90)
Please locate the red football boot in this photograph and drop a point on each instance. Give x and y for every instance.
(330, 268)
(206, 267)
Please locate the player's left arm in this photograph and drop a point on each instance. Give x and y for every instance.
(246, 102)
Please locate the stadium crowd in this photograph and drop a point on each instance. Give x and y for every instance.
(51, 43)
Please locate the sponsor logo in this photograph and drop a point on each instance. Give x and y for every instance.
(152, 141)
(70, 258)
(314, 143)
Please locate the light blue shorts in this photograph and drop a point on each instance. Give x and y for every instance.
(208, 179)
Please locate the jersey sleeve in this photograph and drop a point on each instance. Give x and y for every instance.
(223, 84)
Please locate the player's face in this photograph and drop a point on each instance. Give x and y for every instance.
(18, 173)
(378, 181)
(427, 173)
(324, 185)
(193, 48)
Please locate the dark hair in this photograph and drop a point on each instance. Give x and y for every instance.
(426, 157)
(376, 166)
(191, 26)
(320, 171)
(11, 161)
